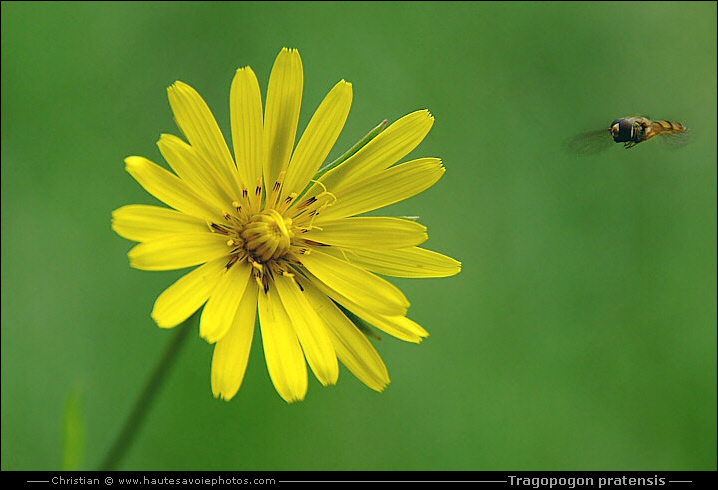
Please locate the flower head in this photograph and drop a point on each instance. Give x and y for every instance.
(271, 239)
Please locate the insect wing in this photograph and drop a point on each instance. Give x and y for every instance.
(674, 141)
(589, 143)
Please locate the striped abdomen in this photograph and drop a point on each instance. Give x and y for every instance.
(665, 127)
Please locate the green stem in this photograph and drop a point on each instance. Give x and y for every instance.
(361, 144)
(134, 421)
(351, 151)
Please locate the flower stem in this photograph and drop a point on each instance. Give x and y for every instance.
(134, 421)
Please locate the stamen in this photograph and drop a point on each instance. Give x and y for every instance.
(257, 202)
(320, 183)
(218, 228)
(232, 261)
(306, 203)
(327, 193)
(287, 201)
(307, 211)
(274, 197)
(317, 244)
(257, 266)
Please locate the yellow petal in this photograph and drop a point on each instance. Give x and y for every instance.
(400, 327)
(390, 146)
(406, 262)
(178, 251)
(169, 188)
(284, 97)
(231, 353)
(285, 360)
(219, 311)
(310, 329)
(387, 187)
(184, 297)
(139, 222)
(197, 123)
(352, 347)
(356, 284)
(319, 138)
(245, 104)
(193, 169)
(368, 232)
(396, 325)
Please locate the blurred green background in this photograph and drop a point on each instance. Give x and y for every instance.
(581, 333)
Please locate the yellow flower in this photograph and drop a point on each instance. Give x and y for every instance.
(274, 241)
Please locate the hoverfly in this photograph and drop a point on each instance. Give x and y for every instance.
(630, 131)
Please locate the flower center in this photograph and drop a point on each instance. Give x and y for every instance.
(267, 235)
